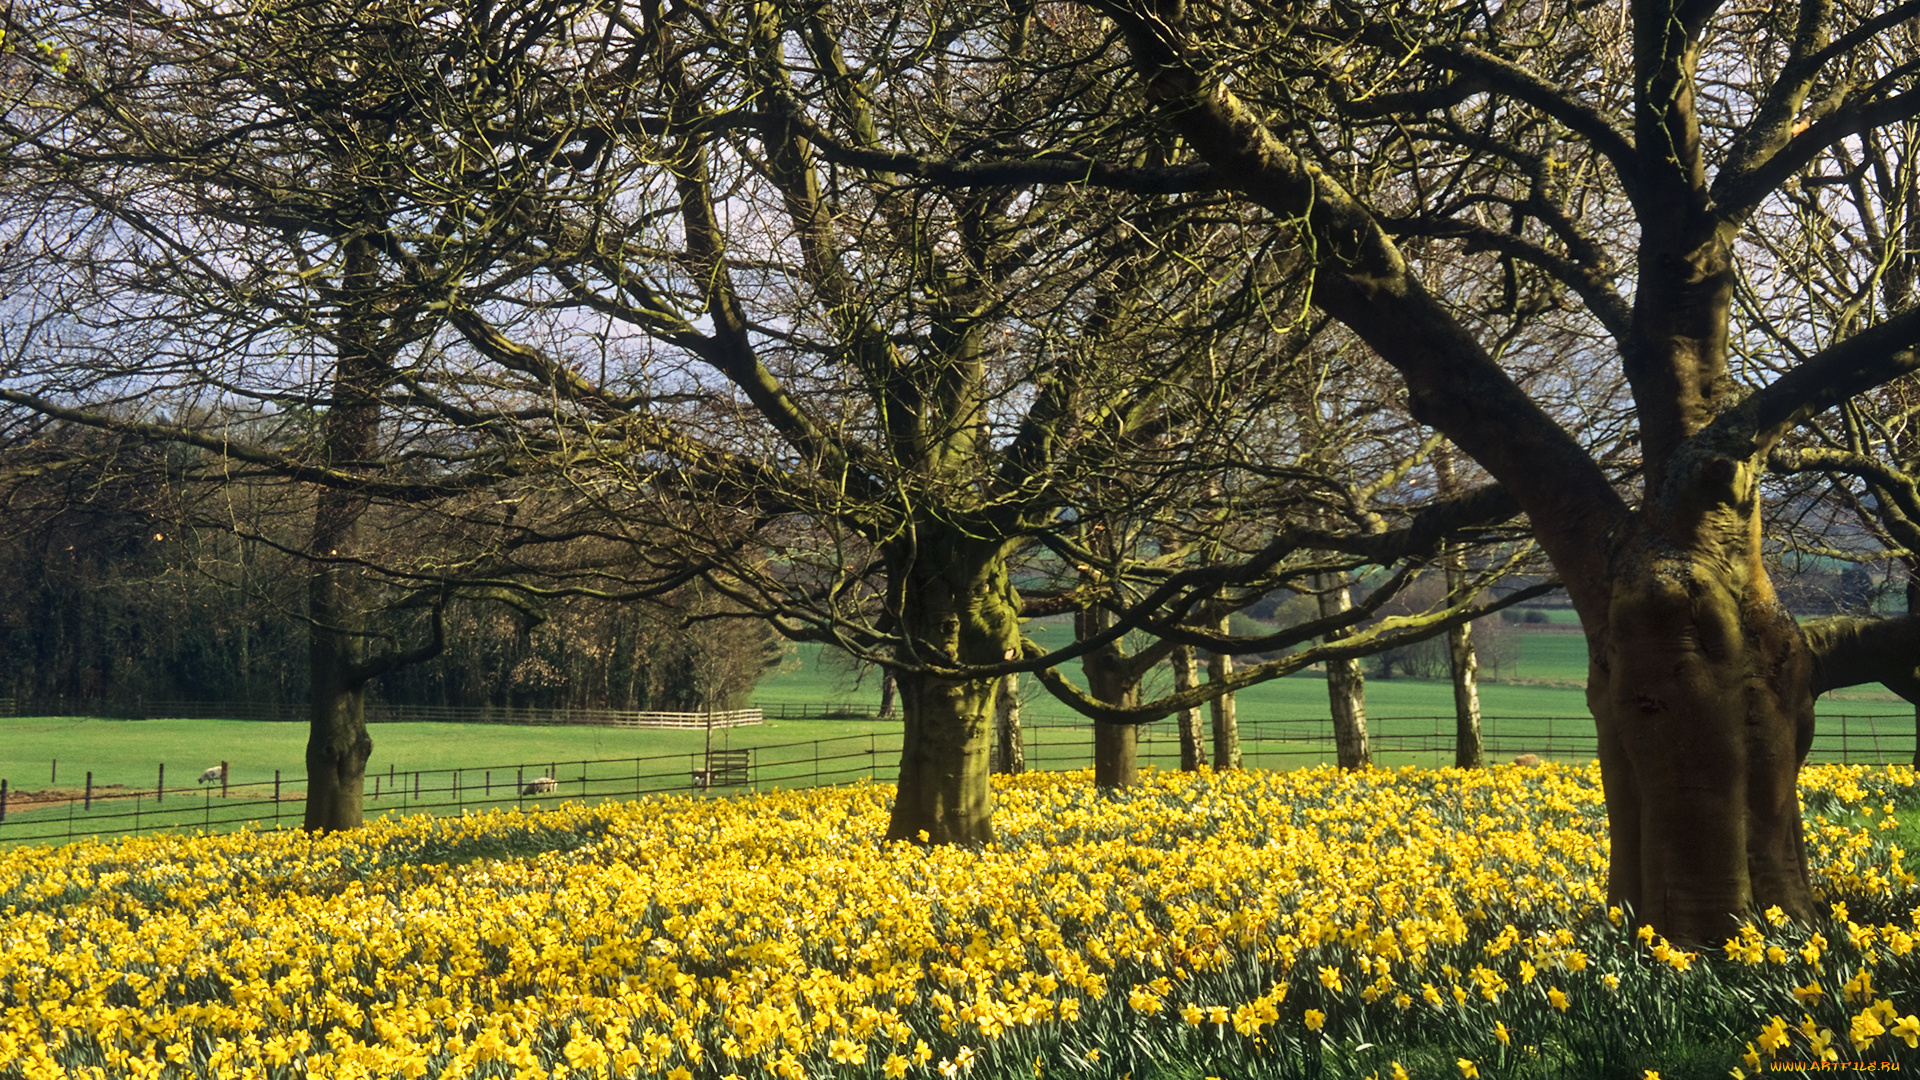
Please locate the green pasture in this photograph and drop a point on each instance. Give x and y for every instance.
(1537, 707)
(129, 752)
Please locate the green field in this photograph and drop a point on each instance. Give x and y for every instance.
(1543, 712)
(129, 752)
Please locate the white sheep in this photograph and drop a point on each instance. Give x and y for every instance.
(214, 775)
(544, 785)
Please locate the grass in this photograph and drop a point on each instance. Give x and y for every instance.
(129, 751)
(1524, 717)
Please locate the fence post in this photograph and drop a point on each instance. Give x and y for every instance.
(489, 783)
(223, 779)
(54, 776)
(276, 796)
(89, 796)
(160, 785)
(3, 800)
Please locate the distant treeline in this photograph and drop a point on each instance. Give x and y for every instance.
(120, 581)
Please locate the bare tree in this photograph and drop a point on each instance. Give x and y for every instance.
(1571, 157)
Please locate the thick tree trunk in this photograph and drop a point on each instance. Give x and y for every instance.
(1116, 755)
(338, 745)
(951, 598)
(1226, 723)
(1012, 747)
(1701, 688)
(1346, 690)
(945, 795)
(1186, 674)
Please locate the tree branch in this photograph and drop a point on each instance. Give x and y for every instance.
(1363, 280)
(1876, 355)
(1582, 119)
(1849, 651)
(1737, 192)
(1041, 169)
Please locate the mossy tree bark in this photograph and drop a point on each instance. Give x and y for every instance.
(955, 605)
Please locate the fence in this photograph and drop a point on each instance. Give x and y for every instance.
(377, 713)
(30, 818)
(819, 710)
(1048, 745)
(1429, 741)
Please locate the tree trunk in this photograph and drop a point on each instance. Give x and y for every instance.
(1346, 690)
(1913, 609)
(1463, 665)
(1111, 680)
(1116, 755)
(889, 689)
(951, 597)
(1185, 675)
(1226, 724)
(1013, 750)
(1698, 675)
(338, 745)
(1116, 747)
(1467, 751)
(945, 794)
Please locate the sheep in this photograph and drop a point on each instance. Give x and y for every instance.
(1527, 760)
(214, 775)
(544, 785)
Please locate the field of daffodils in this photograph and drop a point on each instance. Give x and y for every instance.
(1422, 923)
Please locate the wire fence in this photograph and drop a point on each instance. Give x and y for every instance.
(28, 817)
